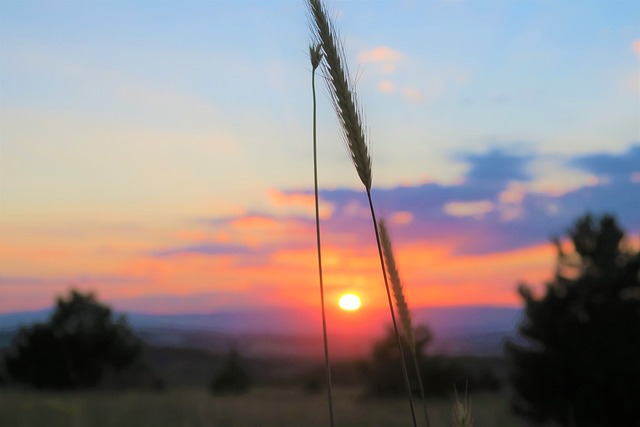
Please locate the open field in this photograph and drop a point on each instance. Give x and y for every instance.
(193, 407)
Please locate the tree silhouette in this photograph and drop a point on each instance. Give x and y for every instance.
(579, 364)
(75, 349)
(233, 377)
(440, 374)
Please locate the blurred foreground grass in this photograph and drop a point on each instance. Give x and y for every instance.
(193, 407)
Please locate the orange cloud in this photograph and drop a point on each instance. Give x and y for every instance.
(279, 198)
(635, 47)
(432, 273)
(434, 276)
(254, 221)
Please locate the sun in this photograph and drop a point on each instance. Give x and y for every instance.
(349, 302)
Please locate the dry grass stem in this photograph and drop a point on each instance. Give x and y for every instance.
(342, 91)
(315, 55)
(346, 106)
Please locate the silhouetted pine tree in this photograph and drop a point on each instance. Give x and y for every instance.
(580, 365)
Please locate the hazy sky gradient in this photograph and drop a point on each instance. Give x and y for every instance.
(160, 154)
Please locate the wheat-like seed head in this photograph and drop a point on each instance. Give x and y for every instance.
(342, 91)
(396, 284)
(315, 54)
(462, 412)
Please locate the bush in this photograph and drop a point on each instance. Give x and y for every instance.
(80, 343)
(233, 377)
(440, 374)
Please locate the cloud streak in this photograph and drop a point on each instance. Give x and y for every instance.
(476, 237)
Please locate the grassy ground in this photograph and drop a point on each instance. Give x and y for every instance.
(263, 407)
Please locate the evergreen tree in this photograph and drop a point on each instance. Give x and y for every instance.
(78, 345)
(579, 361)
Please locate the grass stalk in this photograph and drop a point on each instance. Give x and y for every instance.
(392, 312)
(402, 307)
(316, 57)
(345, 103)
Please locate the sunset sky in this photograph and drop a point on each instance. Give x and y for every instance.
(159, 152)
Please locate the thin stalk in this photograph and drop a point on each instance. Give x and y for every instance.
(421, 386)
(345, 103)
(391, 310)
(316, 57)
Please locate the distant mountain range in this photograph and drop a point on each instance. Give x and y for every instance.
(473, 330)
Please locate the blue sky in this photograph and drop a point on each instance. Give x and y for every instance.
(132, 129)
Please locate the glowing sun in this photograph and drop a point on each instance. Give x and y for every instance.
(349, 302)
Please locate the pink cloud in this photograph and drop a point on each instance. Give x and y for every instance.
(401, 218)
(254, 221)
(381, 54)
(386, 57)
(386, 86)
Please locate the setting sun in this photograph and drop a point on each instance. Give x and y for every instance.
(349, 302)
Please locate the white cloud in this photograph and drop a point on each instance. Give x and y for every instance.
(551, 176)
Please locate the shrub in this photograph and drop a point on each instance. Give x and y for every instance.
(233, 377)
(80, 343)
(440, 374)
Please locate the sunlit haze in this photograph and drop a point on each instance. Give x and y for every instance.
(159, 153)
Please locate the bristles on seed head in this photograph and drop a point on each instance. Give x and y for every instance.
(342, 91)
(462, 416)
(396, 284)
